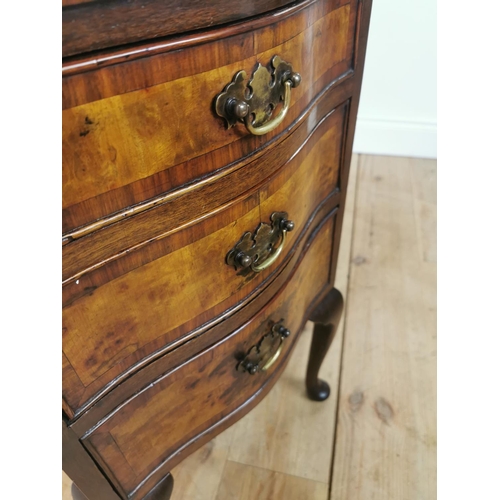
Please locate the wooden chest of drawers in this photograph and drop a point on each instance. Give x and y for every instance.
(206, 156)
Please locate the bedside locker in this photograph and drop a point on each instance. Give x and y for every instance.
(206, 152)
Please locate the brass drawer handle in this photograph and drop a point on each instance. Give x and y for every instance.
(273, 256)
(257, 251)
(264, 354)
(253, 103)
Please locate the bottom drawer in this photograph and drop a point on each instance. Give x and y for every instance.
(141, 440)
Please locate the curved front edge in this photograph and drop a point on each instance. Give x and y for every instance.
(168, 110)
(140, 305)
(147, 435)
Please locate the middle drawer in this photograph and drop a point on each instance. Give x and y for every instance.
(130, 308)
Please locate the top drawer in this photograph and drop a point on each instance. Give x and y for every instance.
(137, 127)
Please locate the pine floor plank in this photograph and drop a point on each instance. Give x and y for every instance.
(198, 476)
(386, 433)
(423, 173)
(243, 482)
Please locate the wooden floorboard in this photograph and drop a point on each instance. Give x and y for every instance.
(244, 482)
(381, 368)
(386, 433)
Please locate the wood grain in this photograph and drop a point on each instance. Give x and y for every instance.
(423, 177)
(236, 188)
(149, 422)
(199, 475)
(289, 435)
(106, 58)
(415, 456)
(125, 386)
(78, 464)
(199, 173)
(423, 181)
(419, 184)
(140, 312)
(145, 433)
(295, 436)
(243, 482)
(113, 142)
(386, 434)
(91, 25)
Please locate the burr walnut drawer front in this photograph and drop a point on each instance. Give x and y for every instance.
(138, 303)
(142, 126)
(139, 441)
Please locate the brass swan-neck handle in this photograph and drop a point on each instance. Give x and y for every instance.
(266, 352)
(259, 250)
(285, 225)
(253, 103)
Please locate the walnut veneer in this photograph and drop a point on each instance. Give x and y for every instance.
(167, 339)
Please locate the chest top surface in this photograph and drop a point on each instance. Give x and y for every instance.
(90, 25)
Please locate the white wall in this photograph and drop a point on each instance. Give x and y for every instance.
(397, 112)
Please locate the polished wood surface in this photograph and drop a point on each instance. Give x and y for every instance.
(127, 386)
(144, 310)
(130, 145)
(100, 59)
(386, 434)
(144, 435)
(295, 433)
(90, 25)
(95, 250)
(274, 448)
(305, 446)
(82, 469)
(156, 191)
(267, 439)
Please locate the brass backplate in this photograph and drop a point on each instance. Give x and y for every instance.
(259, 244)
(262, 93)
(258, 354)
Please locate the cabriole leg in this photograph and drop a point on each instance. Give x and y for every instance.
(326, 318)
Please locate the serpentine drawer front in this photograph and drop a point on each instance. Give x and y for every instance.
(204, 178)
(190, 278)
(145, 434)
